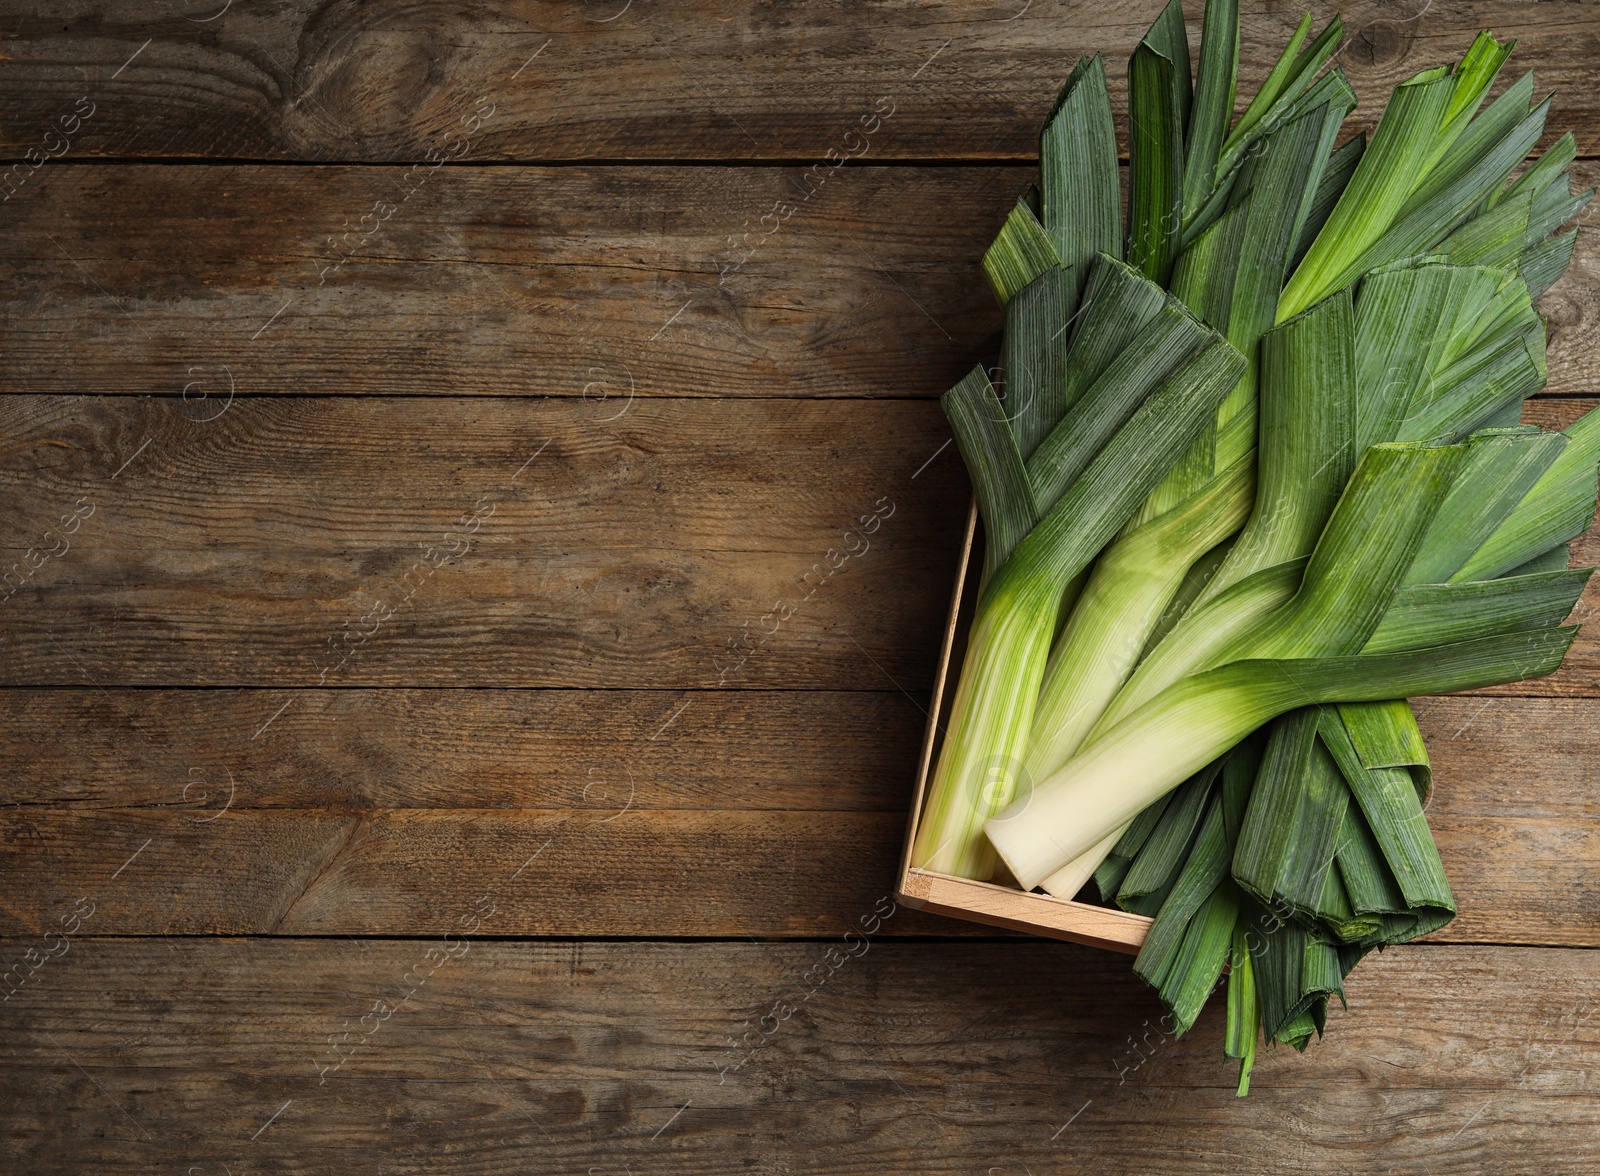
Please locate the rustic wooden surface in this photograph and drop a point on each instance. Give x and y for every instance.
(528, 281)
(1002, 1058)
(279, 758)
(635, 79)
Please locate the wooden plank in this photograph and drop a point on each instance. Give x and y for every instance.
(507, 281)
(258, 548)
(360, 750)
(346, 542)
(1514, 793)
(622, 79)
(1572, 306)
(625, 1057)
(425, 800)
(571, 282)
(571, 871)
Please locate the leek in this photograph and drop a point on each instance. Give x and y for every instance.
(1205, 714)
(1250, 472)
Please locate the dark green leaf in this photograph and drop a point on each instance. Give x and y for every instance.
(1158, 98)
(1079, 171)
(1033, 356)
(1291, 826)
(1159, 860)
(1213, 101)
(1437, 614)
(1000, 480)
(1172, 338)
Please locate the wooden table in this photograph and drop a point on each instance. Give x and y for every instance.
(418, 410)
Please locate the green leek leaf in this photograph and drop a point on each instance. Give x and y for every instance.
(1034, 356)
(1158, 107)
(1196, 966)
(1195, 720)
(1307, 446)
(1554, 560)
(1214, 91)
(1159, 860)
(1335, 178)
(1000, 480)
(1391, 807)
(1377, 191)
(1284, 93)
(1118, 304)
(1362, 555)
(1544, 171)
(1079, 171)
(1542, 264)
(1501, 467)
(1109, 874)
(1559, 507)
(1436, 614)
(979, 769)
(1291, 827)
(1244, 1010)
(1021, 252)
(1170, 339)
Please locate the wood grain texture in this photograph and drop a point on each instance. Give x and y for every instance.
(268, 409)
(633, 79)
(506, 281)
(996, 905)
(564, 282)
(272, 545)
(361, 749)
(287, 542)
(609, 1058)
(1516, 791)
(388, 812)
(583, 873)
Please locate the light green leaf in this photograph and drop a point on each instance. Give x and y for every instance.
(1020, 253)
(1559, 507)
(1501, 466)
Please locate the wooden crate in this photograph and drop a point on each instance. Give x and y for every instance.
(986, 902)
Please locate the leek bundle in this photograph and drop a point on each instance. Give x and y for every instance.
(1253, 474)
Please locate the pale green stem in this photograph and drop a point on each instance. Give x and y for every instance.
(1203, 633)
(980, 765)
(1133, 582)
(1191, 723)
(1099, 647)
(1070, 878)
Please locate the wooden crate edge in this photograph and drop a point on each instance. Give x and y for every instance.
(984, 902)
(1015, 910)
